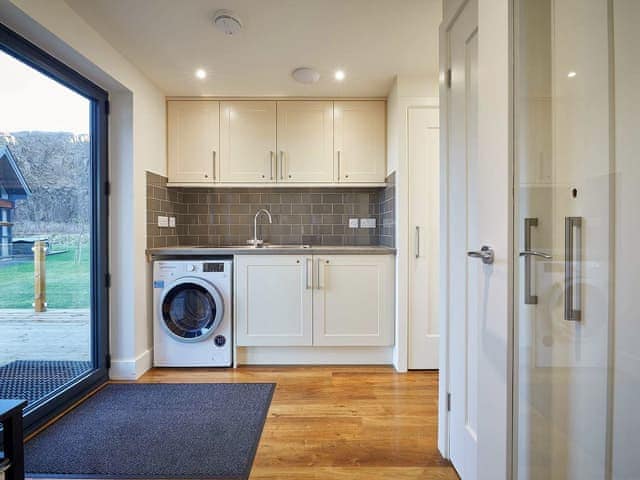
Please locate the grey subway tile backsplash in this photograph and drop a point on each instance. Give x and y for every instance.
(315, 215)
(387, 212)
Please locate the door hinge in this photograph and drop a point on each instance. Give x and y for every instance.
(107, 107)
(448, 402)
(107, 280)
(448, 78)
(107, 360)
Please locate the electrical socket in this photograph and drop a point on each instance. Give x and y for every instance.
(163, 221)
(172, 222)
(367, 223)
(353, 223)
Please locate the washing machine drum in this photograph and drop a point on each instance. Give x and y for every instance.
(191, 309)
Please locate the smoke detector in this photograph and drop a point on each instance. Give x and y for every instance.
(305, 75)
(227, 22)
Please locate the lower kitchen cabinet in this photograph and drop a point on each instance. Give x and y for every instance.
(353, 300)
(273, 300)
(329, 300)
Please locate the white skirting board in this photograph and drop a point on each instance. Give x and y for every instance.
(131, 369)
(314, 355)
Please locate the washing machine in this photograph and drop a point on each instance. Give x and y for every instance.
(192, 313)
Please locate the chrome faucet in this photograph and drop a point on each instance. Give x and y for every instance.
(255, 242)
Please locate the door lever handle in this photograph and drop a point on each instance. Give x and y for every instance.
(486, 254)
(533, 253)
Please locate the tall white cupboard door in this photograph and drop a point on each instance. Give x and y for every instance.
(424, 179)
(193, 140)
(273, 300)
(305, 141)
(354, 300)
(360, 141)
(248, 141)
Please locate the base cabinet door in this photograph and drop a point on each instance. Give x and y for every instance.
(353, 300)
(274, 300)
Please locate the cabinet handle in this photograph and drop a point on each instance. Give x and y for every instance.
(572, 256)
(214, 165)
(321, 282)
(339, 161)
(309, 272)
(417, 249)
(271, 155)
(281, 165)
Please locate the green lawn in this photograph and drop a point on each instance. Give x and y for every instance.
(67, 282)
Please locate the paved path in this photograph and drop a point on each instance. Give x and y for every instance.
(50, 335)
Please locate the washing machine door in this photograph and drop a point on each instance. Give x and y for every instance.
(191, 309)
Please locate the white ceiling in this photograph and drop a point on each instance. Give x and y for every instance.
(372, 40)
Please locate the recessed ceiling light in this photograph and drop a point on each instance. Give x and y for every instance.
(339, 75)
(571, 74)
(227, 21)
(305, 75)
(200, 73)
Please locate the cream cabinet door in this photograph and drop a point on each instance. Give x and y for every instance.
(360, 141)
(247, 141)
(305, 141)
(353, 302)
(273, 300)
(193, 140)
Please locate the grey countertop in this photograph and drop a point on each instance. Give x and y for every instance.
(271, 250)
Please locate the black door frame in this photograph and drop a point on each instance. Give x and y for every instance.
(28, 53)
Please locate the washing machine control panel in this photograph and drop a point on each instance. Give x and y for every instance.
(213, 267)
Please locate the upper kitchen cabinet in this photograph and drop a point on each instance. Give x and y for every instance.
(247, 141)
(305, 141)
(193, 140)
(360, 141)
(286, 142)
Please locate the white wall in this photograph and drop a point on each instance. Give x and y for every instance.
(137, 144)
(406, 92)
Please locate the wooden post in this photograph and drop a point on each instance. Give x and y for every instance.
(39, 276)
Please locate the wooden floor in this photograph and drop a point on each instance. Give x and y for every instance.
(340, 422)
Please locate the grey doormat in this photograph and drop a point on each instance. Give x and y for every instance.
(33, 379)
(195, 431)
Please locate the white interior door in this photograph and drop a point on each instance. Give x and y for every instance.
(424, 194)
(468, 278)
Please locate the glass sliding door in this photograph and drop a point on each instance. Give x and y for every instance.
(577, 194)
(53, 231)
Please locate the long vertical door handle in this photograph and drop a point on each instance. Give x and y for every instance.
(309, 272)
(271, 155)
(339, 153)
(214, 166)
(572, 253)
(417, 246)
(529, 298)
(281, 165)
